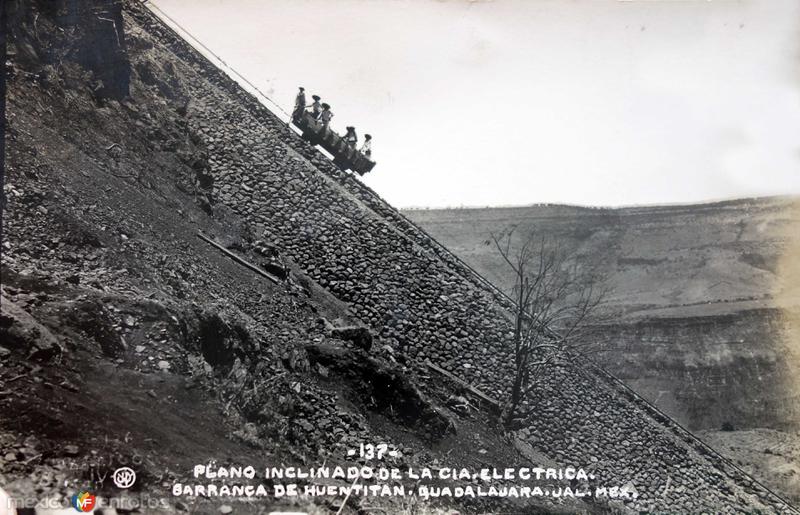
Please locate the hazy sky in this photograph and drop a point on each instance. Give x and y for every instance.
(594, 102)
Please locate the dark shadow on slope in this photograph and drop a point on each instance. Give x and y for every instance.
(383, 388)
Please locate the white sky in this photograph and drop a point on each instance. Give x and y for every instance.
(594, 102)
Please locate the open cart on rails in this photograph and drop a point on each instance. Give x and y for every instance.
(344, 156)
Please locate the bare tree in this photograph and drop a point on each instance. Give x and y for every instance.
(555, 301)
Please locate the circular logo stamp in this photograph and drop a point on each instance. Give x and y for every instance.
(124, 477)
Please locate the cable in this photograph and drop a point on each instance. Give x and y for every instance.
(148, 4)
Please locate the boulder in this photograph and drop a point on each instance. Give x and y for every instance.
(20, 331)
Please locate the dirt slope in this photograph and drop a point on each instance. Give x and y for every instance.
(126, 339)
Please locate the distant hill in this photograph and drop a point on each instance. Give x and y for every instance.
(651, 256)
(707, 297)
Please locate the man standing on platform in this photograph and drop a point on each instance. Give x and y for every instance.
(299, 104)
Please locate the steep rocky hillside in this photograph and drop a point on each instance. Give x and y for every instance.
(126, 335)
(125, 339)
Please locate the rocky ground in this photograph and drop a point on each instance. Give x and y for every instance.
(127, 336)
(763, 453)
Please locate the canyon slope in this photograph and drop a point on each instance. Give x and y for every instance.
(185, 280)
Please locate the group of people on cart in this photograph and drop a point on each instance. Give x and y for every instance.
(321, 112)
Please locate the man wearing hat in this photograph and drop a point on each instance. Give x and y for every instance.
(366, 148)
(326, 115)
(299, 104)
(316, 107)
